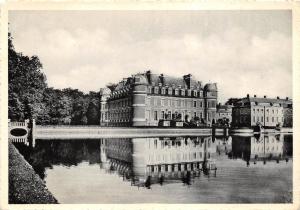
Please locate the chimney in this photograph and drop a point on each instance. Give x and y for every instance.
(187, 78)
(278, 97)
(287, 98)
(254, 96)
(148, 75)
(265, 96)
(162, 79)
(247, 95)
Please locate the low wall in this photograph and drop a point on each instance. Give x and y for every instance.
(25, 186)
(94, 132)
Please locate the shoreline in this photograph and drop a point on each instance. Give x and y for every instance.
(25, 186)
(95, 132)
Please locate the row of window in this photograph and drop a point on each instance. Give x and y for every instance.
(177, 115)
(261, 119)
(262, 149)
(176, 92)
(177, 157)
(172, 167)
(170, 144)
(267, 111)
(155, 101)
(120, 103)
(124, 116)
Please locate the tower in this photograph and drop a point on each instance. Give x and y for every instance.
(139, 94)
(105, 93)
(210, 100)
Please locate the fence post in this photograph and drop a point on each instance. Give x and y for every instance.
(33, 132)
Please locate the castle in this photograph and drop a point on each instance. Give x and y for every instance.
(146, 98)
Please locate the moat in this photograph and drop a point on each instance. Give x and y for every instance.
(195, 169)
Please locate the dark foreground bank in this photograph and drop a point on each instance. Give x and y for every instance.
(25, 186)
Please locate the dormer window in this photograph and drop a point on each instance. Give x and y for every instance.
(156, 90)
(163, 91)
(195, 93)
(176, 92)
(189, 92)
(182, 92)
(169, 91)
(200, 93)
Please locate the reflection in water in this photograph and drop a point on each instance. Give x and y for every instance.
(262, 148)
(158, 160)
(164, 161)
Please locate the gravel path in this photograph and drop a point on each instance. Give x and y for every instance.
(25, 186)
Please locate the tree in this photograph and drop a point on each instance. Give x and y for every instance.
(92, 114)
(26, 84)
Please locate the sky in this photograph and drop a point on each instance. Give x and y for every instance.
(244, 52)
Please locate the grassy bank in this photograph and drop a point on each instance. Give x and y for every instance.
(25, 186)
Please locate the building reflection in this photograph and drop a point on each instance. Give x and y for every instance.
(262, 148)
(159, 159)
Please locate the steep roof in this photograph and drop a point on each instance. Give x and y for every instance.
(171, 80)
(283, 102)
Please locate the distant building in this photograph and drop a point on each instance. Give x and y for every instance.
(268, 112)
(145, 98)
(224, 113)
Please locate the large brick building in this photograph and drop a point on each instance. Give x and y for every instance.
(145, 98)
(268, 112)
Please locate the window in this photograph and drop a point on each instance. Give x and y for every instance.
(262, 119)
(158, 102)
(152, 101)
(254, 111)
(163, 91)
(155, 115)
(254, 119)
(195, 103)
(182, 92)
(176, 92)
(165, 102)
(178, 103)
(272, 119)
(162, 115)
(213, 104)
(267, 120)
(201, 104)
(195, 93)
(173, 103)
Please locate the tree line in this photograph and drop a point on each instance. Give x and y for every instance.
(30, 97)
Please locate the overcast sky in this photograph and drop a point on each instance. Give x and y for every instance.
(243, 51)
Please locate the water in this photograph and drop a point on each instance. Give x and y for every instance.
(204, 169)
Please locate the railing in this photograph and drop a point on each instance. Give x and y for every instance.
(18, 125)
